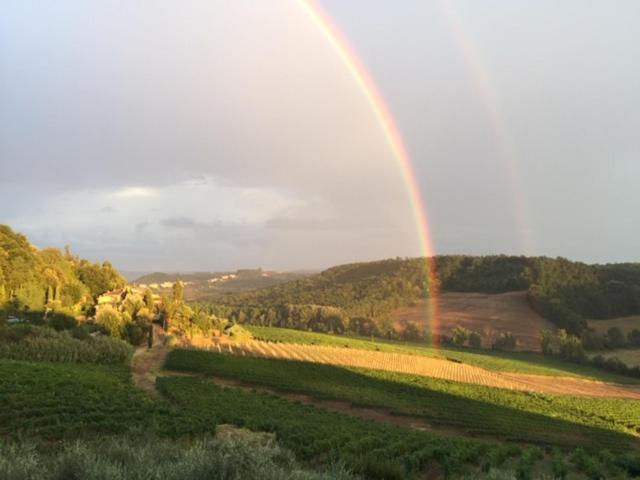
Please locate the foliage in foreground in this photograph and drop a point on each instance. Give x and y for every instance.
(149, 458)
(29, 342)
(512, 415)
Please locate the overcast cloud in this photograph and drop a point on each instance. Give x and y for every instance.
(206, 135)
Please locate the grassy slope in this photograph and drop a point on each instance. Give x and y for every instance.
(518, 362)
(478, 410)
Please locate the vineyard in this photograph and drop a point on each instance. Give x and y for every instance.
(439, 368)
(476, 410)
(53, 401)
(369, 448)
(512, 362)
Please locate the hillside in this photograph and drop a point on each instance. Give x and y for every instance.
(33, 279)
(487, 314)
(368, 298)
(209, 285)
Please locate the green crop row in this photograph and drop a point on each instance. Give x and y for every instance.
(474, 409)
(68, 400)
(370, 448)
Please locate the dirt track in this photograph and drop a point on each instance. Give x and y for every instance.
(147, 363)
(430, 367)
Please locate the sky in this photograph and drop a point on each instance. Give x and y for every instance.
(214, 135)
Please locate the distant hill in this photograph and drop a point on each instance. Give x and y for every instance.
(210, 285)
(362, 297)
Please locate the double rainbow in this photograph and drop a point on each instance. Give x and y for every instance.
(387, 123)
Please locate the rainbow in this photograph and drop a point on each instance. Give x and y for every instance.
(387, 123)
(504, 143)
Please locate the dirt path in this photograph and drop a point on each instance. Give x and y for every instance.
(430, 367)
(147, 363)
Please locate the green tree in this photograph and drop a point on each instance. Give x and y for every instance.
(111, 321)
(616, 338)
(475, 340)
(459, 335)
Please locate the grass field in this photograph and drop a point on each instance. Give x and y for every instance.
(630, 357)
(626, 324)
(515, 362)
(477, 410)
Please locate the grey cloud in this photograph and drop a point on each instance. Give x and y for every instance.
(98, 97)
(180, 222)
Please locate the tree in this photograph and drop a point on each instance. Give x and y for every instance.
(148, 299)
(459, 335)
(506, 341)
(633, 337)
(546, 342)
(178, 291)
(616, 338)
(475, 340)
(111, 321)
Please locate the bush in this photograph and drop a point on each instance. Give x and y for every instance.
(28, 342)
(506, 341)
(616, 338)
(459, 336)
(239, 333)
(475, 340)
(149, 457)
(60, 321)
(111, 321)
(633, 337)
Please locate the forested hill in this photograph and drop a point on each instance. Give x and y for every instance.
(32, 279)
(563, 291)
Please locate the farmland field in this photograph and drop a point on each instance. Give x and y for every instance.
(629, 356)
(376, 450)
(475, 409)
(509, 362)
(487, 314)
(626, 324)
(67, 400)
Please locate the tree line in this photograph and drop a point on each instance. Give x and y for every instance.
(360, 298)
(34, 280)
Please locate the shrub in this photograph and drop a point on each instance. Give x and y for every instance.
(28, 342)
(459, 336)
(149, 457)
(111, 321)
(506, 341)
(475, 340)
(633, 337)
(60, 321)
(616, 338)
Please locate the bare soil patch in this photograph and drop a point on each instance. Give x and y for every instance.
(487, 314)
(147, 363)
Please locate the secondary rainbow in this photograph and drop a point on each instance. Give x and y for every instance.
(387, 123)
(505, 145)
